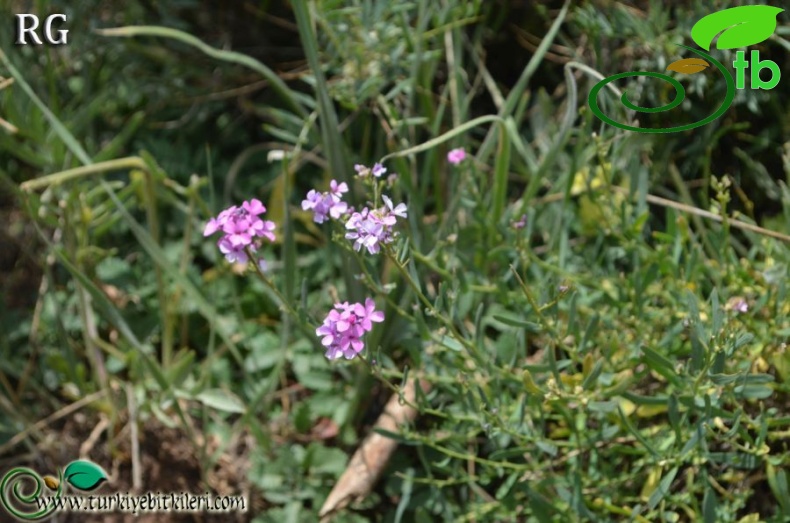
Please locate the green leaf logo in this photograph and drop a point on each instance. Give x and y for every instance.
(741, 26)
(84, 475)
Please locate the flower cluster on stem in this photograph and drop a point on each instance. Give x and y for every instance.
(328, 203)
(344, 327)
(240, 226)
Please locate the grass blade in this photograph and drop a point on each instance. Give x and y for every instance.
(226, 56)
(515, 94)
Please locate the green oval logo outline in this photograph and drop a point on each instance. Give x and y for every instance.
(679, 97)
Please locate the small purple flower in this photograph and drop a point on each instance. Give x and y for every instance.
(378, 170)
(366, 231)
(344, 326)
(240, 226)
(368, 313)
(362, 171)
(456, 156)
(338, 189)
(521, 223)
(328, 203)
(233, 253)
(399, 210)
(740, 305)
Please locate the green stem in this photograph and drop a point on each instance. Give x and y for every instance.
(284, 304)
(131, 162)
(547, 325)
(473, 350)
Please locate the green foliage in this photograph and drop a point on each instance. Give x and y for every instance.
(612, 357)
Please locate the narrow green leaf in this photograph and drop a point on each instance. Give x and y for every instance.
(60, 129)
(636, 433)
(663, 488)
(541, 507)
(589, 331)
(180, 368)
(673, 413)
(660, 364)
(591, 378)
(516, 322)
(716, 311)
(529, 384)
(117, 144)
(506, 486)
(156, 370)
(501, 170)
(405, 492)
(452, 344)
(724, 379)
(221, 400)
(709, 505)
(405, 379)
(777, 481)
(658, 399)
(604, 407)
(755, 392)
(395, 436)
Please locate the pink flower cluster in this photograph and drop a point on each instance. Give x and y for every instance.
(370, 229)
(327, 203)
(240, 226)
(344, 327)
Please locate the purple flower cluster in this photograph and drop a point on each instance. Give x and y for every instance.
(377, 170)
(240, 226)
(327, 203)
(344, 327)
(370, 229)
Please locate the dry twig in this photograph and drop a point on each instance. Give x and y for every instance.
(372, 456)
